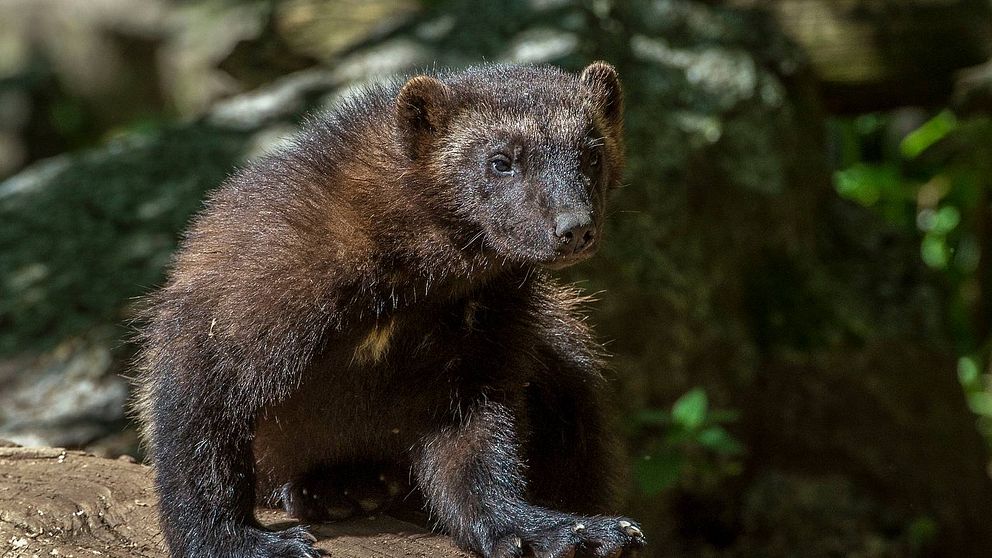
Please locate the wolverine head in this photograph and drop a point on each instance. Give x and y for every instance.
(525, 154)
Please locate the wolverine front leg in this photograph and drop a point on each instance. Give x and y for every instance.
(205, 479)
(471, 475)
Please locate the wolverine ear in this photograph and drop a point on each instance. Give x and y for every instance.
(601, 81)
(421, 112)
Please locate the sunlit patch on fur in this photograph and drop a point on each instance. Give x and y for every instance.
(375, 345)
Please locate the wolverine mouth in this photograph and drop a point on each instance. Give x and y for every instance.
(564, 260)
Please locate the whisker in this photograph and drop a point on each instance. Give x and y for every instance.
(530, 269)
(474, 238)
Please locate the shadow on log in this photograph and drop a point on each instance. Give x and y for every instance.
(55, 502)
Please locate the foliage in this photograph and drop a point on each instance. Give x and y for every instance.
(935, 182)
(83, 236)
(688, 443)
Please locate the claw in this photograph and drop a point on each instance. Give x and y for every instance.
(578, 527)
(629, 528)
(518, 542)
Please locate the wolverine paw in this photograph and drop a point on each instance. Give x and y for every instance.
(575, 537)
(295, 542)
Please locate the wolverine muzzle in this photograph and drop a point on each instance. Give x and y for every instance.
(576, 232)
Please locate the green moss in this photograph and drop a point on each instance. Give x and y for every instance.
(84, 235)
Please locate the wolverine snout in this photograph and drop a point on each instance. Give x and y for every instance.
(575, 231)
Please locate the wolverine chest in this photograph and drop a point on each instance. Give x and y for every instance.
(372, 392)
(419, 342)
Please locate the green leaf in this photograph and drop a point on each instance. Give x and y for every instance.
(866, 184)
(968, 371)
(932, 131)
(946, 219)
(934, 251)
(719, 440)
(981, 403)
(868, 124)
(690, 409)
(656, 473)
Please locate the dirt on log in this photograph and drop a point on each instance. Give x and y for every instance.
(55, 502)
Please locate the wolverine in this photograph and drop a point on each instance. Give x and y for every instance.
(373, 302)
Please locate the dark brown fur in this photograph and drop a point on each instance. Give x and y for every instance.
(370, 303)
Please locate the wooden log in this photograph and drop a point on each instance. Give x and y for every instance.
(55, 502)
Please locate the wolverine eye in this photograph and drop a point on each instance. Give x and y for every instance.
(501, 164)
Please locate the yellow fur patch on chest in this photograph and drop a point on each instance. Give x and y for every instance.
(374, 346)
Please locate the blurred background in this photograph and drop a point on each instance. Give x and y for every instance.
(795, 285)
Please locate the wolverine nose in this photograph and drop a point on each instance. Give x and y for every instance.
(575, 231)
